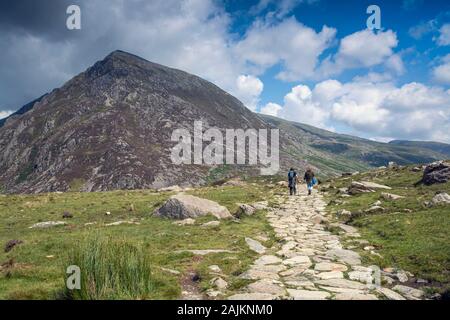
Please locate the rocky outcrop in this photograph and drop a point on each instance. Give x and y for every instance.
(441, 198)
(436, 172)
(182, 206)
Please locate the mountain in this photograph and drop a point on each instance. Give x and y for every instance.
(110, 128)
(439, 147)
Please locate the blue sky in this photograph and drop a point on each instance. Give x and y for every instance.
(311, 61)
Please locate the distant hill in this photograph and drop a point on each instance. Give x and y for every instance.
(440, 147)
(110, 128)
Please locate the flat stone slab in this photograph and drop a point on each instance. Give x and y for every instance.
(266, 286)
(346, 256)
(329, 266)
(342, 283)
(255, 246)
(331, 275)
(298, 260)
(253, 274)
(205, 252)
(355, 296)
(47, 224)
(265, 260)
(308, 295)
(390, 294)
(253, 296)
(408, 292)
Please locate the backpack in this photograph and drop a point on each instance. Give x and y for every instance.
(291, 175)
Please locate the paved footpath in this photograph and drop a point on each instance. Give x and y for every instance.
(310, 263)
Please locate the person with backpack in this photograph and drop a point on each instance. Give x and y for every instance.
(292, 179)
(310, 180)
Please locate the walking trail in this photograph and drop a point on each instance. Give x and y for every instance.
(311, 263)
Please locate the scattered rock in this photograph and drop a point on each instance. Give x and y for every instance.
(47, 224)
(436, 172)
(390, 197)
(343, 213)
(262, 205)
(440, 198)
(67, 215)
(118, 223)
(107, 213)
(215, 268)
(11, 244)
(182, 206)
(255, 246)
(365, 187)
(374, 209)
(421, 281)
(213, 293)
(401, 276)
(171, 189)
(171, 271)
(245, 210)
(219, 283)
(185, 222)
(211, 224)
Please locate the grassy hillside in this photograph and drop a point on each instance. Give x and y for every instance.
(408, 234)
(335, 153)
(36, 268)
(443, 148)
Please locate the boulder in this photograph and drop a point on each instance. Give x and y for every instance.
(182, 206)
(374, 209)
(358, 187)
(436, 172)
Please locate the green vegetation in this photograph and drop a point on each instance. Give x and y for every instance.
(408, 235)
(36, 268)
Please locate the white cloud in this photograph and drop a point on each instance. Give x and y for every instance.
(372, 109)
(441, 73)
(363, 49)
(248, 90)
(271, 109)
(294, 45)
(4, 114)
(444, 35)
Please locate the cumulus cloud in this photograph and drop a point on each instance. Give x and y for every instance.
(4, 114)
(444, 35)
(381, 109)
(271, 109)
(441, 73)
(294, 45)
(249, 88)
(363, 49)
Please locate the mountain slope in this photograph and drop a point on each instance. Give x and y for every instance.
(110, 128)
(439, 147)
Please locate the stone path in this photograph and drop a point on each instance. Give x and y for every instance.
(310, 263)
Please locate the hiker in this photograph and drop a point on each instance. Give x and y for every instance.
(310, 180)
(292, 178)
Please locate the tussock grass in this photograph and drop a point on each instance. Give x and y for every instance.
(112, 269)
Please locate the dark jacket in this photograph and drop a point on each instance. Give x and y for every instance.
(292, 177)
(309, 175)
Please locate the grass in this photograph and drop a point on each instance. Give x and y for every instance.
(38, 271)
(408, 235)
(112, 269)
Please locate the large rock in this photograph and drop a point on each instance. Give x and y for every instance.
(255, 246)
(358, 187)
(183, 206)
(436, 172)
